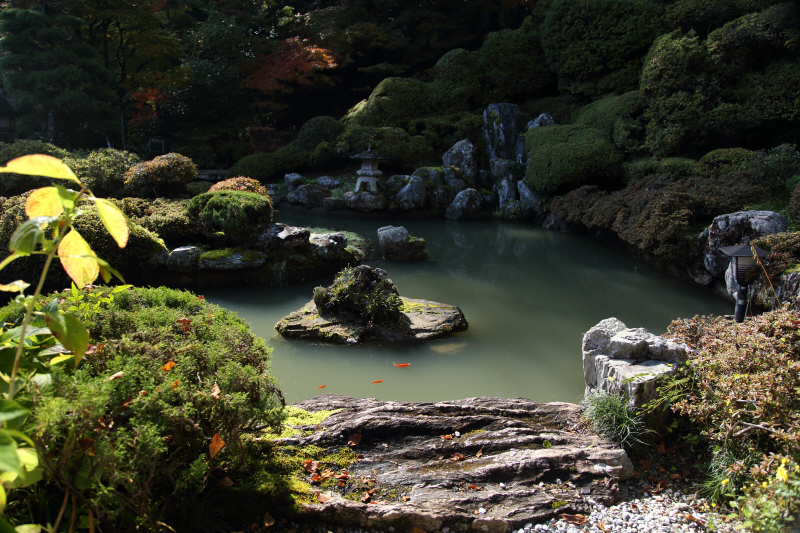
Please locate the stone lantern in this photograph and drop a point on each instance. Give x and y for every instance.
(7, 131)
(368, 173)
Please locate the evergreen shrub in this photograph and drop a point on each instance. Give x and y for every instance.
(230, 217)
(567, 157)
(360, 292)
(13, 184)
(130, 430)
(317, 130)
(169, 219)
(268, 166)
(103, 171)
(240, 183)
(165, 175)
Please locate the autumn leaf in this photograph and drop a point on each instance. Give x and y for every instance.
(402, 365)
(268, 520)
(694, 519)
(344, 474)
(215, 392)
(645, 464)
(321, 387)
(446, 437)
(473, 488)
(40, 165)
(175, 384)
(480, 452)
(405, 499)
(602, 527)
(674, 476)
(310, 465)
(660, 447)
(365, 497)
(167, 367)
(216, 445)
(661, 469)
(116, 376)
(354, 439)
(315, 478)
(78, 259)
(376, 381)
(226, 482)
(456, 457)
(322, 498)
(576, 519)
(418, 530)
(114, 220)
(43, 202)
(327, 474)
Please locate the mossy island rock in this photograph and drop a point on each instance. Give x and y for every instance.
(361, 305)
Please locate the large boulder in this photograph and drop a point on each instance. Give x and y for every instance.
(542, 120)
(183, 259)
(283, 236)
(397, 245)
(545, 467)
(230, 259)
(501, 127)
(309, 195)
(328, 245)
(736, 228)
(395, 184)
(366, 202)
(627, 361)
(499, 168)
(461, 156)
(465, 206)
(328, 182)
(293, 181)
(411, 195)
(527, 196)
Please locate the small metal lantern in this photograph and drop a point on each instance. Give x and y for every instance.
(743, 259)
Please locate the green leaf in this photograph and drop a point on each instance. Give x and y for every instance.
(12, 414)
(13, 334)
(26, 528)
(67, 198)
(70, 332)
(40, 165)
(121, 288)
(114, 220)
(106, 271)
(9, 460)
(78, 259)
(61, 359)
(28, 235)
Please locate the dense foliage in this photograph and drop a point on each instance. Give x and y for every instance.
(239, 183)
(165, 175)
(362, 293)
(129, 431)
(230, 216)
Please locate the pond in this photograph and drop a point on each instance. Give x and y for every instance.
(529, 295)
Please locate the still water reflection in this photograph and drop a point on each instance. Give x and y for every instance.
(528, 295)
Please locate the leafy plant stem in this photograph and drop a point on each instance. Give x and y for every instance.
(61, 511)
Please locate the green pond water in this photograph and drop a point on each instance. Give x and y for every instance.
(528, 294)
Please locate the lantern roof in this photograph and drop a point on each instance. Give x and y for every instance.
(368, 154)
(743, 250)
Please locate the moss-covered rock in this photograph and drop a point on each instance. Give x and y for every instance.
(169, 219)
(361, 292)
(393, 102)
(597, 46)
(567, 157)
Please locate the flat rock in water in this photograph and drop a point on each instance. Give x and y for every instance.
(480, 464)
(422, 320)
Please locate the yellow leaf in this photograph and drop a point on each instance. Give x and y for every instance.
(77, 259)
(114, 220)
(40, 165)
(61, 359)
(43, 202)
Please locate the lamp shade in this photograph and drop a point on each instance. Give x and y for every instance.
(742, 257)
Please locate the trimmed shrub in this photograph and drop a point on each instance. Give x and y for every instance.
(404, 151)
(267, 166)
(603, 113)
(563, 109)
(393, 102)
(240, 183)
(317, 130)
(597, 46)
(360, 292)
(169, 219)
(165, 175)
(131, 426)
(230, 217)
(672, 168)
(703, 16)
(723, 160)
(567, 157)
(103, 171)
(131, 261)
(13, 184)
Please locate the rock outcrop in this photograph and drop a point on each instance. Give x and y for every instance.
(487, 465)
(461, 156)
(465, 206)
(736, 228)
(397, 245)
(411, 195)
(420, 320)
(628, 361)
(501, 127)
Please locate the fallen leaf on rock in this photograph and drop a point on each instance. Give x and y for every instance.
(660, 448)
(456, 457)
(473, 488)
(418, 530)
(694, 519)
(359, 457)
(405, 499)
(674, 476)
(315, 478)
(376, 381)
(365, 497)
(446, 437)
(576, 519)
(215, 392)
(402, 365)
(116, 376)
(168, 366)
(354, 439)
(268, 520)
(480, 452)
(602, 527)
(310, 465)
(226, 482)
(327, 474)
(321, 387)
(344, 474)
(322, 498)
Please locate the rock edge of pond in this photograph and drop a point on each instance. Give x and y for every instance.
(483, 464)
(422, 320)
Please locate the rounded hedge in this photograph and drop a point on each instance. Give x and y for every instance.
(567, 157)
(230, 216)
(597, 46)
(239, 183)
(317, 130)
(103, 171)
(165, 175)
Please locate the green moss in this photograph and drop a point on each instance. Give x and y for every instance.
(404, 151)
(230, 216)
(605, 114)
(558, 503)
(567, 157)
(597, 46)
(216, 255)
